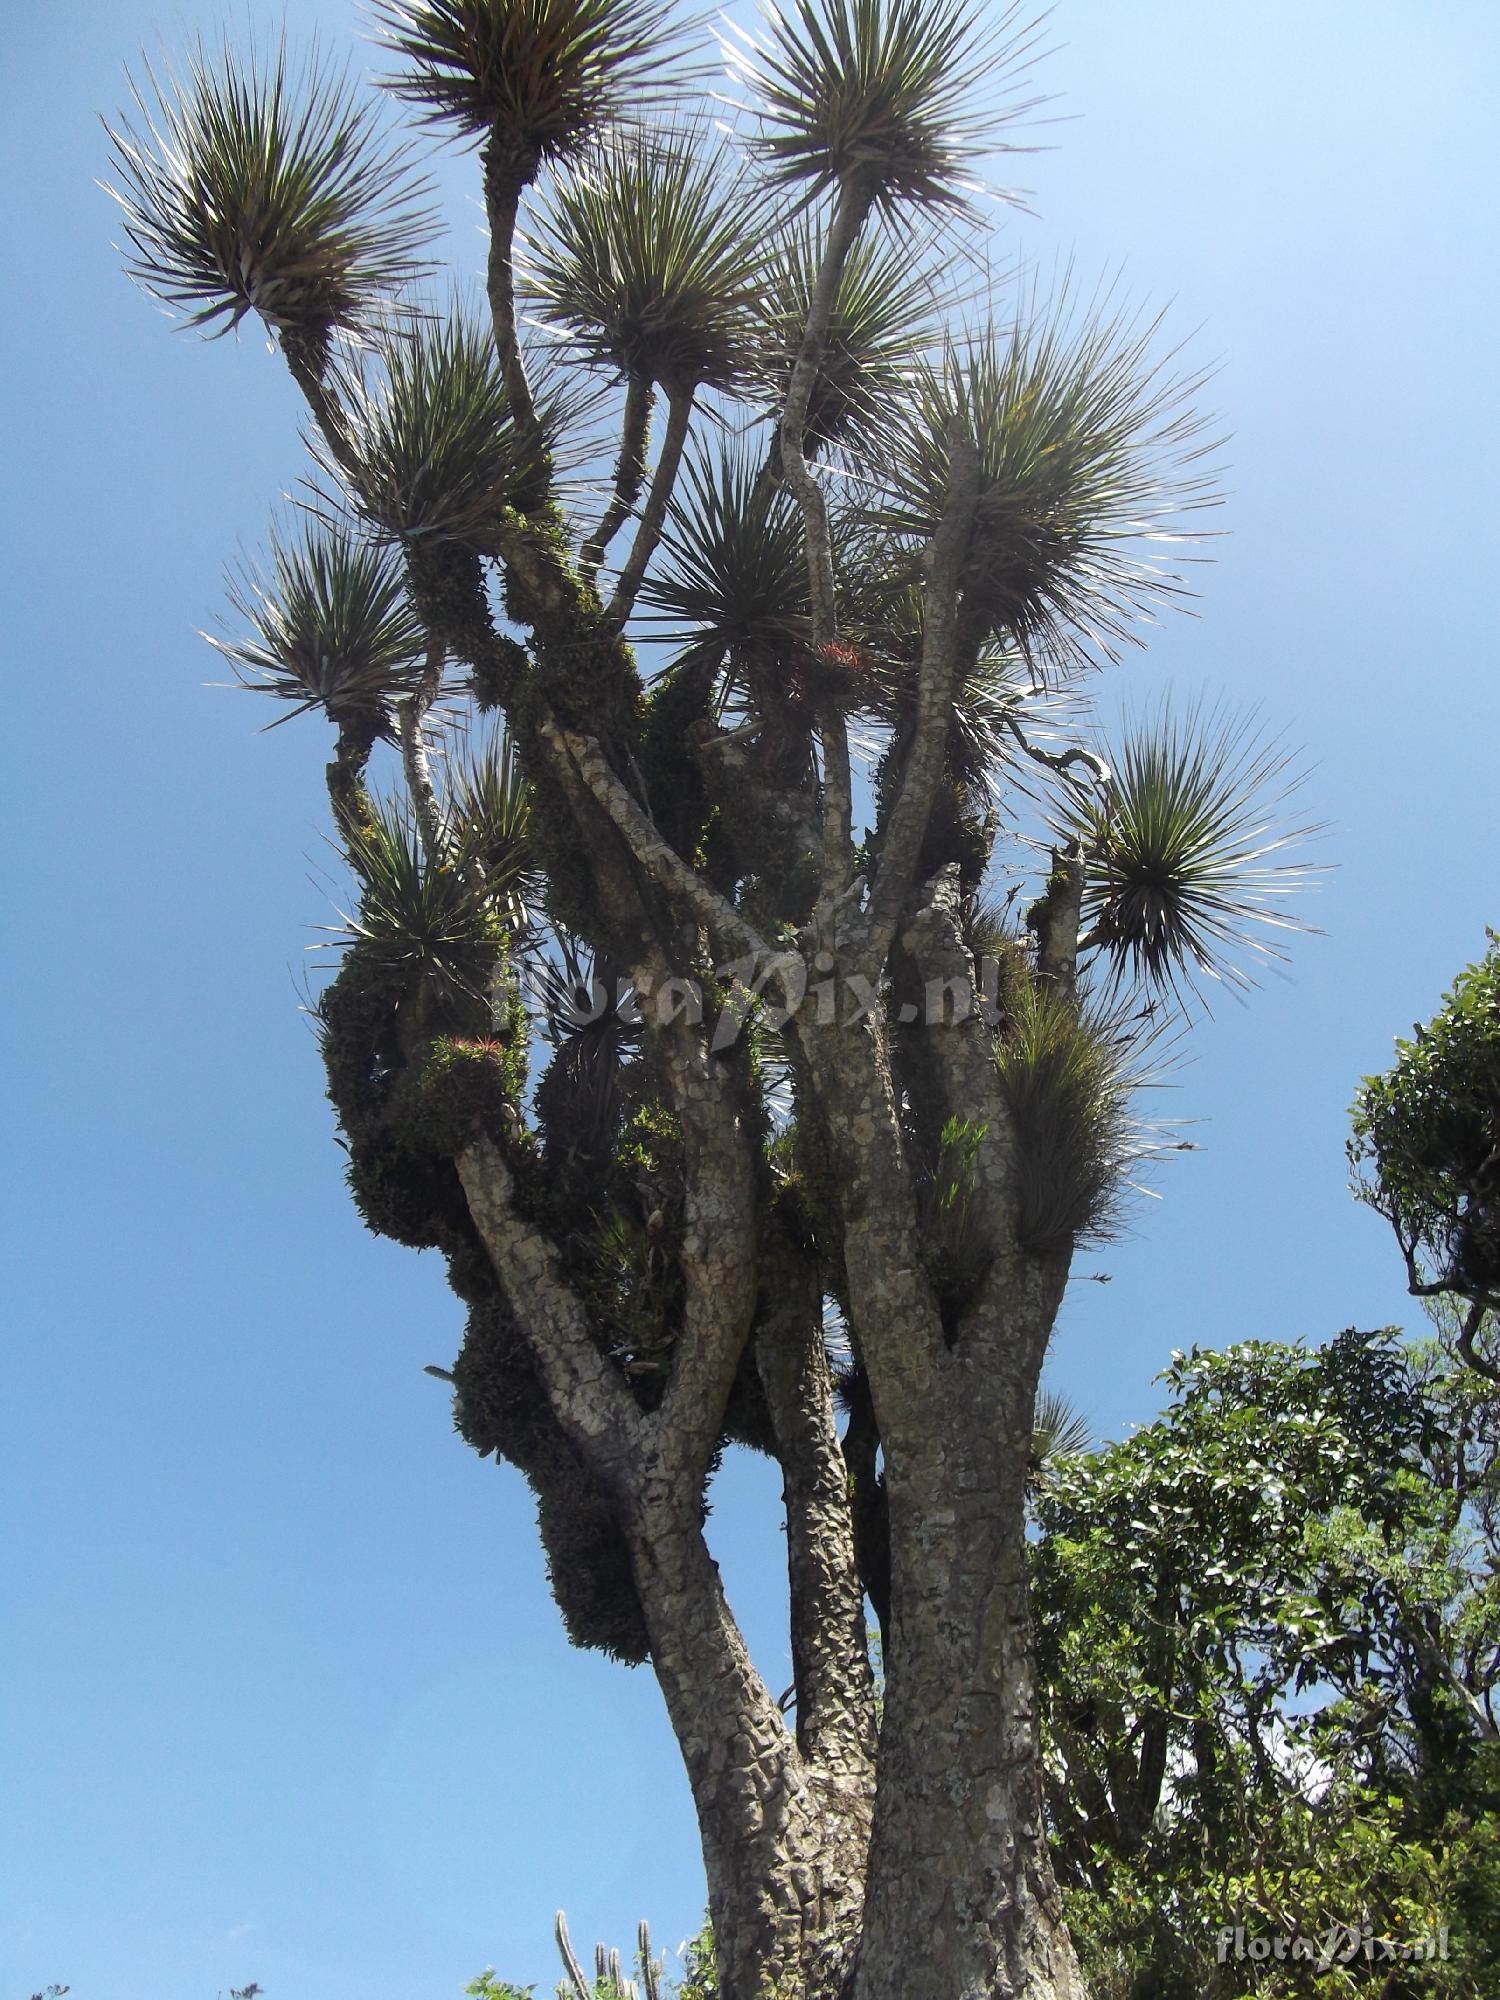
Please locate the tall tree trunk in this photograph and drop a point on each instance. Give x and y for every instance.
(961, 1901)
(783, 1849)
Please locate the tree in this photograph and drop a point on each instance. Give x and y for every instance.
(802, 1115)
(1269, 1660)
(1425, 1151)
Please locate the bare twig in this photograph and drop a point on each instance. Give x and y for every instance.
(413, 714)
(1062, 760)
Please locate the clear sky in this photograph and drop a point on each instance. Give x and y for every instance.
(282, 1693)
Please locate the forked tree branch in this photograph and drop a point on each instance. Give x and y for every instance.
(941, 641)
(630, 469)
(656, 855)
(654, 513)
(587, 1395)
(1061, 760)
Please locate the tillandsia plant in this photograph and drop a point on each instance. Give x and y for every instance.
(726, 733)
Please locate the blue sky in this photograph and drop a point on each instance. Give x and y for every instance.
(282, 1695)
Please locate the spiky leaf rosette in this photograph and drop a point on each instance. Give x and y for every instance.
(893, 99)
(269, 191)
(645, 257)
(1058, 1430)
(1183, 853)
(587, 1015)
(1089, 453)
(330, 628)
(882, 316)
(1068, 1076)
(487, 820)
(546, 76)
(431, 449)
(427, 923)
(732, 575)
(998, 693)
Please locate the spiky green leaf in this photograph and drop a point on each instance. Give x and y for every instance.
(328, 628)
(733, 568)
(1058, 1430)
(432, 449)
(1091, 452)
(265, 189)
(646, 256)
(1187, 853)
(426, 920)
(882, 318)
(1068, 1075)
(546, 76)
(895, 99)
(487, 821)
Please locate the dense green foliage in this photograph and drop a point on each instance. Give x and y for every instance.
(1426, 1144)
(1269, 1654)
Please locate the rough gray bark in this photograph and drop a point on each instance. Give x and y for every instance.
(960, 1895)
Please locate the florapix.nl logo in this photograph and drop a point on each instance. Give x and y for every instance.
(1337, 1944)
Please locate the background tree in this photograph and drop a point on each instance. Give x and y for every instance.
(843, 1087)
(1426, 1152)
(1269, 1656)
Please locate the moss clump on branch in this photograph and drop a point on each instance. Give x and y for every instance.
(500, 1406)
(408, 1105)
(1067, 1078)
(462, 1090)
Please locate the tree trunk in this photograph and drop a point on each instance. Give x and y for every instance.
(784, 1842)
(961, 1901)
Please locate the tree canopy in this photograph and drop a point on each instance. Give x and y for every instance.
(1425, 1149)
(1269, 1655)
